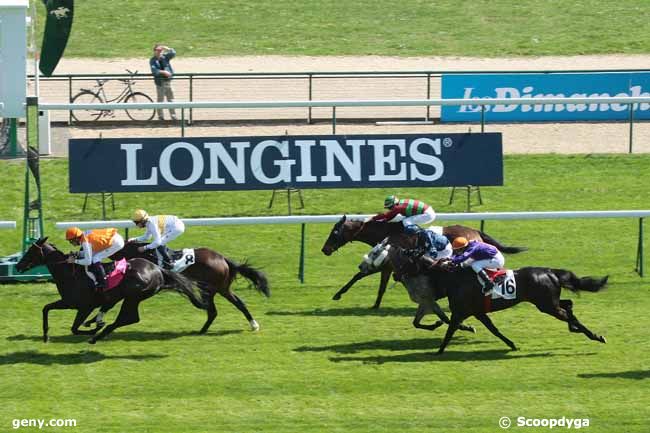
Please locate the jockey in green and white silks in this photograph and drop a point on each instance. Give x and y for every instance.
(414, 211)
(162, 229)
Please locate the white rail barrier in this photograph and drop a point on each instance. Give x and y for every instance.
(348, 103)
(311, 219)
(7, 224)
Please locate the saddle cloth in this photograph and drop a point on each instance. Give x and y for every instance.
(181, 259)
(505, 286)
(114, 274)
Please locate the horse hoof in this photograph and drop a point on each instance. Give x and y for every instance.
(45, 339)
(602, 339)
(513, 348)
(92, 341)
(254, 326)
(336, 297)
(375, 307)
(87, 324)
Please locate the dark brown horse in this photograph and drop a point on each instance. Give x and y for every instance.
(213, 273)
(538, 285)
(141, 281)
(373, 232)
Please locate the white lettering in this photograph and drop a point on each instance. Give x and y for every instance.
(426, 159)
(284, 174)
(389, 158)
(305, 160)
(506, 92)
(351, 166)
(469, 108)
(132, 167)
(236, 169)
(166, 169)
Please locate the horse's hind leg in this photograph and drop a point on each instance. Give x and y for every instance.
(99, 317)
(485, 320)
(241, 306)
(574, 324)
(211, 309)
(127, 316)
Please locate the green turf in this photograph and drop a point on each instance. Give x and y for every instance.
(318, 365)
(483, 28)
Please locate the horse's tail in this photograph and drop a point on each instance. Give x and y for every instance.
(570, 281)
(255, 276)
(503, 248)
(181, 284)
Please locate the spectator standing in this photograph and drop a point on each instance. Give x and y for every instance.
(163, 73)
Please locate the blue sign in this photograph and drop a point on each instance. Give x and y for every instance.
(536, 86)
(303, 161)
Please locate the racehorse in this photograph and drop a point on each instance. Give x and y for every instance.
(213, 273)
(416, 285)
(538, 285)
(141, 281)
(373, 232)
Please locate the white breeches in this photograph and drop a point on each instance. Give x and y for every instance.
(495, 262)
(117, 243)
(172, 232)
(424, 218)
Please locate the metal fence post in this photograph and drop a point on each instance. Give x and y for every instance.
(639, 250)
(191, 95)
(428, 96)
(333, 120)
(301, 265)
(482, 118)
(309, 120)
(70, 98)
(631, 123)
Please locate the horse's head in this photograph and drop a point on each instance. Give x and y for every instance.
(343, 232)
(34, 256)
(375, 258)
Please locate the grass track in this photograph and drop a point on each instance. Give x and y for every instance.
(319, 365)
(480, 28)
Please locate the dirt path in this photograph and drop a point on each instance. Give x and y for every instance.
(526, 138)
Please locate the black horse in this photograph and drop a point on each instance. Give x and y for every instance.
(373, 232)
(141, 281)
(213, 273)
(538, 285)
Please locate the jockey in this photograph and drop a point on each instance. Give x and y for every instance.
(162, 228)
(429, 243)
(414, 211)
(479, 256)
(96, 245)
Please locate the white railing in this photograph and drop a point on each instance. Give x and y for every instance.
(311, 219)
(348, 103)
(7, 224)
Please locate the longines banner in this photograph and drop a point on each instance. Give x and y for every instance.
(537, 86)
(251, 163)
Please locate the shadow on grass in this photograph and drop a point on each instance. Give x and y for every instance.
(632, 374)
(484, 355)
(393, 345)
(124, 336)
(349, 311)
(38, 358)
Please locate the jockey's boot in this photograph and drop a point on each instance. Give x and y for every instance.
(100, 276)
(485, 280)
(166, 260)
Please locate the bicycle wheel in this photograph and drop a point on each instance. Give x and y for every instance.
(144, 114)
(86, 97)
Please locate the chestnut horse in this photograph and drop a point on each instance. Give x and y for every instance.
(538, 285)
(213, 273)
(373, 232)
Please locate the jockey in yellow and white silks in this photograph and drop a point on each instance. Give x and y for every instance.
(96, 245)
(162, 229)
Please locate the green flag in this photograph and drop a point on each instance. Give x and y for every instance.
(57, 30)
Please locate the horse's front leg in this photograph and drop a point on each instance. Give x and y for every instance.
(58, 305)
(385, 275)
(421, 312)
(82, 313)
(442, 316)
(357, 277)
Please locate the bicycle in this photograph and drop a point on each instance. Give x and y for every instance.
(97, 95)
